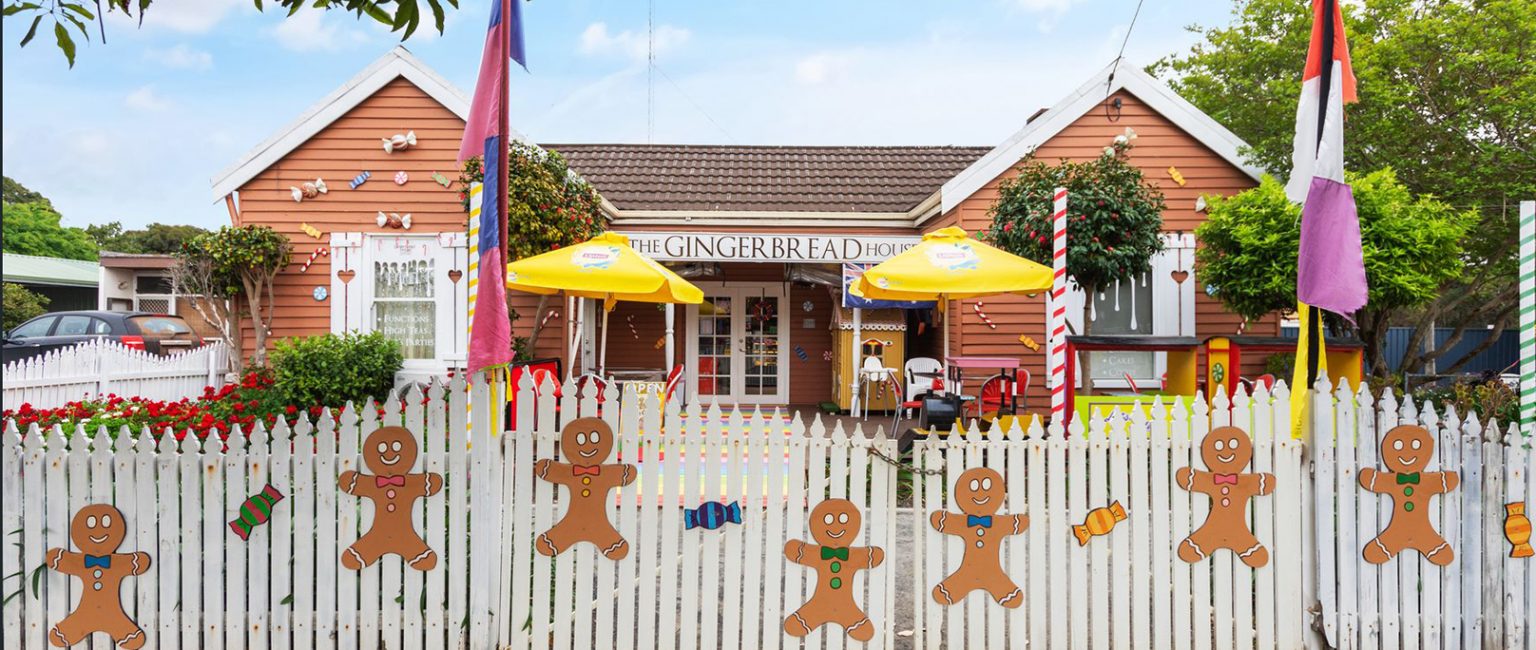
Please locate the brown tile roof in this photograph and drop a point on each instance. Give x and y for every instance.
(766, 178)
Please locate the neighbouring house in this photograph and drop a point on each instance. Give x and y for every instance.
(67, 284)
(142, 282)
(764, 230)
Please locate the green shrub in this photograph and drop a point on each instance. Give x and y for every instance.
(331, 370)
(21, 305)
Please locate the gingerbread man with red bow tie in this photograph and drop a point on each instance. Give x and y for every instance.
(390, 453)
(1226, 452)
(586, 442)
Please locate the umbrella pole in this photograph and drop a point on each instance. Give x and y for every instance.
(858, 364)
(576, 334)
(602, 347)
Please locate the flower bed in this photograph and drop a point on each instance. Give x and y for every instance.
(216, 412)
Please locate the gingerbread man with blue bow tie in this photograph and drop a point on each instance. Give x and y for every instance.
(98, 530)
(587, 443)
(390, 452)
(979, 492)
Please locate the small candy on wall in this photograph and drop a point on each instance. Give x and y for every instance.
(1226, 452)
(1406, 450)
(835, 523)
(586, 442)
(97, 530)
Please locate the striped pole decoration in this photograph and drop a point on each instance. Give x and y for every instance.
(1057, 335)
(475, 199)
(1527, 313)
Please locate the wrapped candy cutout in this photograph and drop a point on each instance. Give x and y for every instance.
(399, 141)
(394, 220)
(255, 511)
(1099, 522)
(309, 190)
(311, 230)
(441, 179)
(360, 179)
(1517, 529)
(401, 178)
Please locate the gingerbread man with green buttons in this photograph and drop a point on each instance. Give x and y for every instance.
(1406, 451)
(835, 523)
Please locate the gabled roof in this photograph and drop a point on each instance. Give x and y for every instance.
(734, 178)
(1114, 77)
(397, 63)
(51, 271)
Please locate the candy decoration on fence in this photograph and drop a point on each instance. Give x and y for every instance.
(441, 179)
(1099, 522)
(97, 530)
(712, 515)
(360, 179)
(835, 523)
(402, 178)
(1226, 452)
(1517, 529)
(586, 442)
(394, 220)
(979, 492)
(311, 231)
(319, 252)
(800, 352)
(309, 190)
(980, 311)
(399, 141)
(1406, 450)
(389, 453)
(255, 511)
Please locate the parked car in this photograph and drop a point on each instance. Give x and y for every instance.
(153, 333)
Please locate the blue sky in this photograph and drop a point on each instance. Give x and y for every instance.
(137, 129)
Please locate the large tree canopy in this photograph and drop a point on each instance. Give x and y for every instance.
(1412, 247)
(156, 238)
(1447, 99)
(34, 229)
(71, 18)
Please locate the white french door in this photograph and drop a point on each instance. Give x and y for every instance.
(738, 344)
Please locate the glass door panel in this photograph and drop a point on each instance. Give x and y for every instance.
(760, 362)
(715, 346)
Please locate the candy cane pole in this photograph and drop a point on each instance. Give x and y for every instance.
(1057, 333)
(1527, 312)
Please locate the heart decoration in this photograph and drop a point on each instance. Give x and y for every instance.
(454, 275)
(346, 275)
(1179, 276)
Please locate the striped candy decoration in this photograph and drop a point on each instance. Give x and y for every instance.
(978, 308)
(1057, 336)
(711, 515)
(1528, 312)
(319, 252)
(360, 179)
(255, 511)
(630, 321)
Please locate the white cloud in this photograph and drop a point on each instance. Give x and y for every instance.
(312, 30)
(181, 57)
(145, 99)
(596, 40)
(821, 67)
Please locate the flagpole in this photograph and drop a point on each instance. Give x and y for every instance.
(1313, 317)
(504, 130)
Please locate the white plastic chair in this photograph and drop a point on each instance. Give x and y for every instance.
(918, 385)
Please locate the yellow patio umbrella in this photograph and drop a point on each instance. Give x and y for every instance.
(947, 265)
(603, 268)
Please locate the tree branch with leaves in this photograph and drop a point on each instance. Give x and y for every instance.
(231, 266)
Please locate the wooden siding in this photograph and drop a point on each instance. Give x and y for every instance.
(1159, 145)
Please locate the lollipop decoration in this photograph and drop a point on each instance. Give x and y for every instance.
(309, 190)
(401, 178)
(394, 220)
(319, 253)
(360, 179)
(399, 141)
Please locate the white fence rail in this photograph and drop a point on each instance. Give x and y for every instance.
(685, 589)
(99, 367)
(1483, 598)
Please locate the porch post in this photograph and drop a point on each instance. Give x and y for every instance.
(857, 351)
(671, 355)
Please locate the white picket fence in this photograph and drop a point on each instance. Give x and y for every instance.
(1483, 598)
(685, 589)
(102, 366)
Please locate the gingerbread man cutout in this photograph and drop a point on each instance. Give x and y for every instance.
(1406, 451)
(835, 523)
(979, 492)
(390, 453)
(1226, 452)
(586, 442)
(97, 530)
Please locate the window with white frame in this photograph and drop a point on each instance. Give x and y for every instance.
(405, 304)
(1160, 302)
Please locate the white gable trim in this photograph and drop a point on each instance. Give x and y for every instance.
(1127, 77)
(399, 62)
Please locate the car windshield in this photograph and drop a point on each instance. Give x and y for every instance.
(161, 325)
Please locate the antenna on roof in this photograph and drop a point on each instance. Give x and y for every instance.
(1110, 83)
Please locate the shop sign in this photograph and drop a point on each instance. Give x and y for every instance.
(749, 247)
